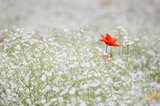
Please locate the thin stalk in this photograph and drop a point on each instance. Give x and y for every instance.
(30, 96)
(127, 52)
(111, 55)
(127, 49)
(104, 56)
(106, 48)
(119, 50)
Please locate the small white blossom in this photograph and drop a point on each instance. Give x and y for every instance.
(72, 91)
(43, 78)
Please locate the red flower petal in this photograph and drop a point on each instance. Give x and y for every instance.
(108, 37)
(114, 40)
(102, 36)
(114, 44)
(109, 40)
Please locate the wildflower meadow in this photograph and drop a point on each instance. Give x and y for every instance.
(84, 65)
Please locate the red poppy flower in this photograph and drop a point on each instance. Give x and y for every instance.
(109, 40)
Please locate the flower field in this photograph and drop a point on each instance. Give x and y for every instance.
(101, 53)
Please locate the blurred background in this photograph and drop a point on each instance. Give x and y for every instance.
(136, 16)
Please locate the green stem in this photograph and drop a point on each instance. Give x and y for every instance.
(127, 49)
(106, 48)
(111, 55)
(30, 96)
(119, 50)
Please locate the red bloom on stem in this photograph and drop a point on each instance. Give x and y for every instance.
(109, 40)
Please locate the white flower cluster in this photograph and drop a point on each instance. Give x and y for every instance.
(123, 36)
(64, 69)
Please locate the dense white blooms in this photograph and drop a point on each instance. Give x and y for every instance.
(121, 31)
(68, 69)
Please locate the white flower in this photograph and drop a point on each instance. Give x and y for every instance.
(47, 88)
(56, 89)
(49, 74)
(72, 91)
(43, 78)
(21, 89)
(82, 103)
(60, 99)
(43, 101)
